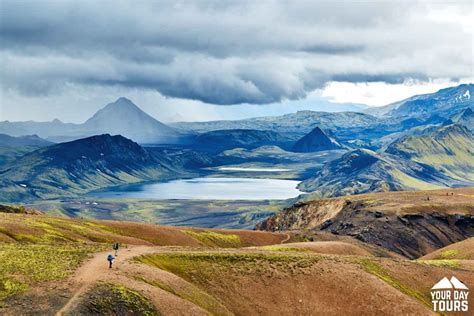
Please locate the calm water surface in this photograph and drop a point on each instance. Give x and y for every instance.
(208, 189)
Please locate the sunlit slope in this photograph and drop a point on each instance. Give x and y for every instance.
(364, 171)
(47, 229)
(448, 149)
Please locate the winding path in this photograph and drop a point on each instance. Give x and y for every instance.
(96, 269)
(288, 236)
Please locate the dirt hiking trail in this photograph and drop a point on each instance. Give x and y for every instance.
(96, 269)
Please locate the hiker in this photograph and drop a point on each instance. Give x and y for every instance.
(110, 259)
(116, 246)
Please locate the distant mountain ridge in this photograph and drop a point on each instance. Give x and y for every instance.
(444, 103)
(238, 138)
(121, 117)
(28, 140)
(297, 124)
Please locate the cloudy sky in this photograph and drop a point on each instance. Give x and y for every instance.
(198, 60)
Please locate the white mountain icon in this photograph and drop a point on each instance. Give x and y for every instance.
(445, 283)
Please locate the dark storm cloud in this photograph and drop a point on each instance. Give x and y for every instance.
(224, 52)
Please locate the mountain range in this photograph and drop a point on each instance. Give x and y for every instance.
(442, 103)
(443, 157)
(221, 140)
(121, 117)
(294, 124)
(419, 143)
(28, 140)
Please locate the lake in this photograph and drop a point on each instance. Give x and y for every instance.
(208, 189)
(253, 169)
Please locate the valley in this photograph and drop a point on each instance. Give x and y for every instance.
(259, 165)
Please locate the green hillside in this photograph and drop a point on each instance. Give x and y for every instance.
(448, 149)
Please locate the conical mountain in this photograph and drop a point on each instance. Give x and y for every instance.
(316, 140)
(123, 117)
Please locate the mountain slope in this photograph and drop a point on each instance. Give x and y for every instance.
(444, 103)
(238, 138)
(80, 166)
(316, 140)
(449, 149)
(123, 117)
(362, 171)
(464, 117)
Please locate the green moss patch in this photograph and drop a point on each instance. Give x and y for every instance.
(213, 239)
(283, 248)
(447, 263)
(202, 266)
(22, 265)
(194, 295)
(448, 254)
(111, 299)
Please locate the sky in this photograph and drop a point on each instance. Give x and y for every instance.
(206, 60)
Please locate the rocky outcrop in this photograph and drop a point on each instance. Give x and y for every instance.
(412, 233)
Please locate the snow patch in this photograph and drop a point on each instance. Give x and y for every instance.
(467, 95)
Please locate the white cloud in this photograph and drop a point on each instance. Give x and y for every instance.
(227, 53)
